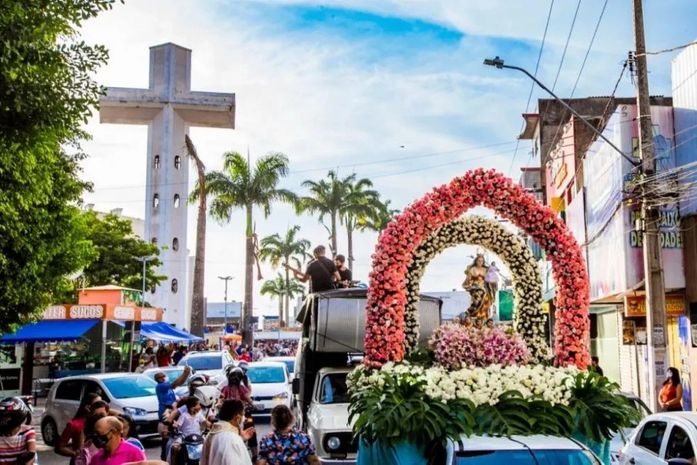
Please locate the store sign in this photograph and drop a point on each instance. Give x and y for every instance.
(635, 306)
(148, 314)
(9, 379)
(55, 312)
(124, 313)
(86, 312)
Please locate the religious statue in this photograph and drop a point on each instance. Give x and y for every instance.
(482, 293)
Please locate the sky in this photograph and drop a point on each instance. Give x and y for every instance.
(391, 90)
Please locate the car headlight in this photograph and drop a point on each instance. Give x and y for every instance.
(135, 411)
(281, 395)
(333, 443)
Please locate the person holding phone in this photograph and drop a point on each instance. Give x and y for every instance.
(321, 272)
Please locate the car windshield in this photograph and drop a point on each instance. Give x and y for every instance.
(524, 457)
(266, 375)
(333, 389)
(207, 362)
(291, 365)
(131, 386)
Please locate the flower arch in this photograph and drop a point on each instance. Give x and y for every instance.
(527, 284)
(387, 295)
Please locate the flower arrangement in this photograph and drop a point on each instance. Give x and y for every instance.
(457, 346)
(387, 295)
(407, 402)
(527, 284)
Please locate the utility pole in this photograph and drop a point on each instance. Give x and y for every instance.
(226, 279)
(145, 261)
(653, 263)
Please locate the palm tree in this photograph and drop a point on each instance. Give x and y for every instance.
(280, 288)
(326, 198)
(287, 249)
(360, 205)
(197, 299)
(241, 185)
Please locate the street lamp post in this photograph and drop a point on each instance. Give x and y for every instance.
(145, 261)
(498, 63)
(226, 279)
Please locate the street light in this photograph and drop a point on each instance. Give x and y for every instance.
(145, 260)
(498, 63)
(226, 279)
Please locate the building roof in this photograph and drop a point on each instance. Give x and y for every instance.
(109, 287)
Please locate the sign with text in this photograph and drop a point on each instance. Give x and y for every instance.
(635, 306)
(102, 312)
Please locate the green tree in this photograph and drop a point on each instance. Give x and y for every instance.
(361, 205)
(197, 295)
(276, 250)
(281, 289)
(118, 250)
(48, 92)
(241, 185)
(327, 197)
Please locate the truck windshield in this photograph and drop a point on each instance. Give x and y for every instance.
(333, 389)
(524, 457)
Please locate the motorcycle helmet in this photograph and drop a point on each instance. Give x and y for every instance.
(207, 395)
(235, 376)
(244, 366)
(13, 412)
(198, 380)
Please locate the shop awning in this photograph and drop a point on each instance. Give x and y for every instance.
(51, 330)
(165, 332)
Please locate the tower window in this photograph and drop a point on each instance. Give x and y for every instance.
(175, 244)
(153, 240)
(155, 200)
(156, 162)
(176, 200)
(152, 289)
(175, 286)
(177, 162)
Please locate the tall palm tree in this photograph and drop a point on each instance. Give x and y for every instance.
(280, 288)
(197, 299)
(360, 204)
(241, 185)
(326, 198)
(287, 249)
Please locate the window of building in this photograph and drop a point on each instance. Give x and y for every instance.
(651, 436)
(176, 200)
(153, 240)
(177, 162)
(155, 200)
(152, 289)
(156, 162)
(175, 244)
(175, 286)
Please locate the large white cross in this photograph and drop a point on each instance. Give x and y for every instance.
(169, 108)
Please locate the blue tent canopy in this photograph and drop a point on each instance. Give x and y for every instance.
(51, 330)
(173, 333)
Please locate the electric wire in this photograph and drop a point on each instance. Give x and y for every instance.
(566, 45)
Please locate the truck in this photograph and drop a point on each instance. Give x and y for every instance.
(333, 329)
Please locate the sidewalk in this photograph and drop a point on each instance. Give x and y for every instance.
(36, 423)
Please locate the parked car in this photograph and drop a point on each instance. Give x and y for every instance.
(126, 392)
(270, 385)
(289, 361)
(208, 363)
(519, 450)
(661, 438)
(620, 438)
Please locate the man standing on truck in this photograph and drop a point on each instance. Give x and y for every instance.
(321, 272)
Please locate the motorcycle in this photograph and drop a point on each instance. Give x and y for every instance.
(190, 452)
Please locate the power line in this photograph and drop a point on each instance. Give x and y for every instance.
(532, 86)
(667, 50)
(566, 46)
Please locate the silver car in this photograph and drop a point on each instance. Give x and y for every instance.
(130, 393)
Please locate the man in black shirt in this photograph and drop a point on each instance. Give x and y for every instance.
(344, 273)
(321, 272)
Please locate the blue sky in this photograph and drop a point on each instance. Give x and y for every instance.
(356, 84)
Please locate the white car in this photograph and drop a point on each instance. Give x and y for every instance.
(208, 363)
(270, 386)
(328, 417)
(662, 438)
(289, 361)
(126, 392)
(619, 439)
(519, 450)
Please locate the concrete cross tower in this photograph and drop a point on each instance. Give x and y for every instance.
(169, 108)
